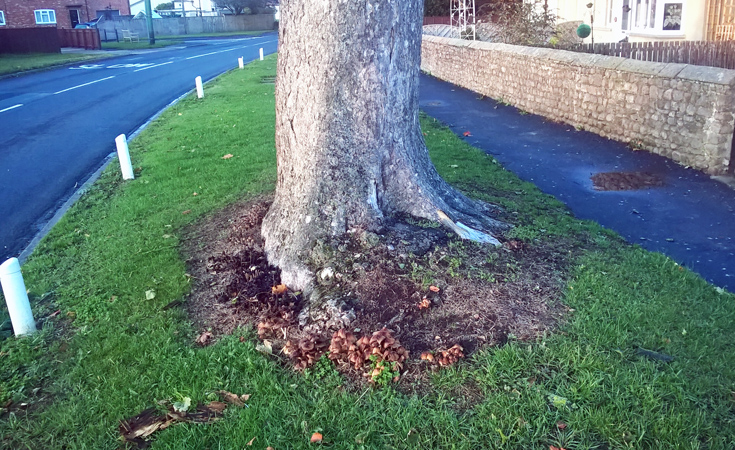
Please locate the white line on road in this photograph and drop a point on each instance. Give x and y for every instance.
(150, 67)
(12, 107)
(82, 85)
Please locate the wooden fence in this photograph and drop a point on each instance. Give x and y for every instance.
(437, 20)
(699, 53)
(29, 40)
(84, 38)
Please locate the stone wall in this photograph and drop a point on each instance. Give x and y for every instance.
(683, 112)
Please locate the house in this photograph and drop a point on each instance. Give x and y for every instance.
(57, 13)
(650, 20)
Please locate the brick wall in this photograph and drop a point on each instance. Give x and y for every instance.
(20, 13)
(683, 112)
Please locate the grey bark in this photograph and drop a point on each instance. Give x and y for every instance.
(349, 145)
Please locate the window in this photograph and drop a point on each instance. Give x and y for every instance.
(652, 17)
(44, 16)
(2, 18)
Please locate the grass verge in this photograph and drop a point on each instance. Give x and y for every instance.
(20, 63)
(143, 44)
(202, 35)
(112, 265)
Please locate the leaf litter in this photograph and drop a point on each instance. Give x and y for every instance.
(437, 295)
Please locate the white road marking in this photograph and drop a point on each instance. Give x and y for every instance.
(151, 67)
(82, 85)
(12, 107)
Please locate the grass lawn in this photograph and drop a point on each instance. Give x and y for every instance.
(112, 265)
(20, 63)
(143, 44)
(225, 34)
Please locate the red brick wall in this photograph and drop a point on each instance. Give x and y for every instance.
(19, 13)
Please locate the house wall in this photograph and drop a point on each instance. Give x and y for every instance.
(683, 112)
(20, 13)
(608, 23)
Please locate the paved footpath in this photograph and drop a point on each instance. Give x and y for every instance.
(691, 218)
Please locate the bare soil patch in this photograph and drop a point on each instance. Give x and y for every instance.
(431, 290)
(625, 181)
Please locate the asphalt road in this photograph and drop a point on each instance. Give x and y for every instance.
(56, 127)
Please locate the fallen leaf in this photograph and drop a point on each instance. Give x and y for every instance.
(183, 405)
(251, 441)
(217, 406)
(186, 212)
(195, 194)
(245, 397)
(561, 425)
(142, 425)
(150, 294)
(280, 289)
(231, 398)
(227, 156)
(204, 338)
(425, 303)
(269, 448)
(467, 133)
(266, 347)
(433, 289)
(316, 437)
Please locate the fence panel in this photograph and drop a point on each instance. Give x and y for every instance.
(87, 38)
(700, 53)
(29, 40)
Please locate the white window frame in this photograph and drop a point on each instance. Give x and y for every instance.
(2, 18)
(45, 16)
(642, 24)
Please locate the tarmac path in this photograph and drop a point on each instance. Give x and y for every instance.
(691, 218)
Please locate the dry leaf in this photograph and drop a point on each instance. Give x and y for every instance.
(231, 398)
(280, 289)
(316, 437)
(204, 338)
(251, 441)
(217, 406)
(245, 397)
(425, 303)
(195, 194)
(269, 448)
(186, 212)
(561, 425)
(266, 347)
(433, 289)
(150, 294)
(227, 156)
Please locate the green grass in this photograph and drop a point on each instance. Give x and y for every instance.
(121, 353)
(19, 63)
(224, 34)
(143, 44)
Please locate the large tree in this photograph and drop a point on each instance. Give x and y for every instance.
(350, 150)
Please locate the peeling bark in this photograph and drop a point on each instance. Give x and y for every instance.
(349, 144)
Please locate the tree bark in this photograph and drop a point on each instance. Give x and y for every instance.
(349, 145)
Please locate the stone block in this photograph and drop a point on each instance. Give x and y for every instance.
(705, 74)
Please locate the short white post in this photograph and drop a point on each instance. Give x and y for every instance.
(261, 54)
(16, 297)
(240, 62)
(123, 154)
(200, 89)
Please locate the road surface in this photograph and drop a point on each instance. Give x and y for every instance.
(57, 127)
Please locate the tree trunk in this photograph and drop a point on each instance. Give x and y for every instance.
(349, 145)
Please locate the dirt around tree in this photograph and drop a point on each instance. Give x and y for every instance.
(432, 293)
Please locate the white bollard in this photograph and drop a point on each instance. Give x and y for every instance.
(123, 154)
(241, 63)
(16, 297)
(200, 89)
(261, 54)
